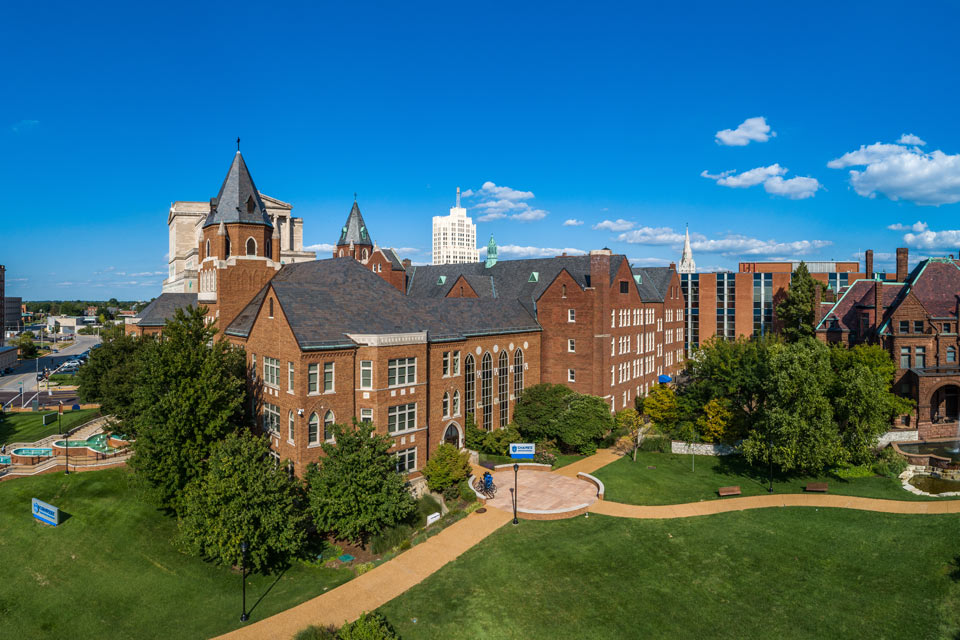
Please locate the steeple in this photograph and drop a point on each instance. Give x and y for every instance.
(355, 230)
(458, 197)
(491, 253)
(687, 265)
(238, 200)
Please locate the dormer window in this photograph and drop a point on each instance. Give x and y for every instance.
(251, 204)
(441, 280)
(534, 276)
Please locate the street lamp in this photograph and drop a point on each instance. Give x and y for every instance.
(516, 470)
(243, 579)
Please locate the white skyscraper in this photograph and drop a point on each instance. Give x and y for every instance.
(454, 237)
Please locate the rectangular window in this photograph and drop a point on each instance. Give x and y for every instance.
(904, 326)
(271, 371)
(313, 376)
(456, 363)
(366, 374)
(572, 345)
(291, 427)
(406, 460)
(253, 363)
(402, 418)
(571, 315)
(904, 357)
(327, 377)
(366, 415)
(571, 375)
(446, 363)
(918, 326)
(271, 418)
(624, 287)
(951, 354)
(401, 371)
(290, 377)
(920, 357)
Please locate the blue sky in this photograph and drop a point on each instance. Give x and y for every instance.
(743, 120)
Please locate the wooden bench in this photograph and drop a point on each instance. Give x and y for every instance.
(729, 491)
(816, 487)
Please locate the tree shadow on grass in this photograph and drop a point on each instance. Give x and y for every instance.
(269, 589)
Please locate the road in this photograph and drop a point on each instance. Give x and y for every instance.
(26, 373)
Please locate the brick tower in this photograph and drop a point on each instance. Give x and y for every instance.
(354, 239)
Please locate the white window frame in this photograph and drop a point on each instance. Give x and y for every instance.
(406, 366)
(333, 377)
(313, 379)
(405, 455)
(401, 414)
(290, 377)
(571, 315)
(571, 375)
(366, 415)
(271, 372)
(366, 366)
(571, 345)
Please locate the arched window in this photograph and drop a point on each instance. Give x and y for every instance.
(271, 308)
(341, 254)
(291, 426)
(207, 254)
(227, 238)
(486, 390)
(313, 429)
(327, 424)
(469, 386)
(364, 254)
(503, 388)
(251, 204)
(268, 249)
(251, 247)
(517, 375)
(446, 405)
(452, 435)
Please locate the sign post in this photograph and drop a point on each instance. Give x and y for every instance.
(45, 512)
(522, 450)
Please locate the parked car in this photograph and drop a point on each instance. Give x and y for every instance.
(8, 371)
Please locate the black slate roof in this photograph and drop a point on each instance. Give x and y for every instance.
(238, 200)
(325, 300)
(654, 282)
(158, 312)
(355, 229)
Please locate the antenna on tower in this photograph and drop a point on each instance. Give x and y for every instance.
(458, 197)
(238, 143)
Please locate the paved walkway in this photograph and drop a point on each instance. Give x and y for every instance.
(382, 584)
(541, 491)
(601, 458)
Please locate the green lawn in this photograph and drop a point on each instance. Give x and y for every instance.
(111, 570)
(64, 378)
(562, 460)
(673, 482)
(29, 427)
(770, 573)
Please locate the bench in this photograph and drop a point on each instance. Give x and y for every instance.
(729, 491)
(816, 487)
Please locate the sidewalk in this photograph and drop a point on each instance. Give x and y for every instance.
(382, 584)
(601, 458)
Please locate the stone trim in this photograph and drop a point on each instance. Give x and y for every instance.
(524, 466)
(596, 481)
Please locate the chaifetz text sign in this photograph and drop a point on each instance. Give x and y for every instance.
(45, 512)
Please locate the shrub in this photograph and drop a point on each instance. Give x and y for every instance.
(659, 444)
(363, 568)
(890, 463)
(426, 505)
(369, 626)
(854, 471)
(390, 538)
(588, 448)
(314, 632)
(497, 442)
(472, 435)
(446, 468)
(545, 457)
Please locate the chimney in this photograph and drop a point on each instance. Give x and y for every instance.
(902, 255)
(406, 263)
(673, 266)
(877, 303)
(868, 263)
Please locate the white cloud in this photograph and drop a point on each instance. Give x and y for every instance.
(731, 244)
(572, 222)
(323, 247)
(750, 130)
(406, 249)
(771, 178)
(652, 235)
(916, 227)
(614, 225)
(498, 202)
(926, 239)
(794, 188)
(909, 138)
(533, 252)
(903, 173)
(25, 126)
(17, 279)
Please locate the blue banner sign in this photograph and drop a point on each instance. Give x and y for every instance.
(45, 512)
(522, 449)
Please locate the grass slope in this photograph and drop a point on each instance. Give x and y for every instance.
(29, 427)
(770, 573)
(111, 570)
(672, 482)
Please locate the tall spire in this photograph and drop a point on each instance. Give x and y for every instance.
(491, 253)
(238, 200)
(687, 265)
(355, 229)
(458, 197)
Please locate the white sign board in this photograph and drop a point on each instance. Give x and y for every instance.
(433, 517)
(45, 512)
(522, 449)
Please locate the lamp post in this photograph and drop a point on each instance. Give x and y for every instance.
(66, 441)
(516, 470)
(243, 579)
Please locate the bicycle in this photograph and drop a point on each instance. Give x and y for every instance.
(485, 486)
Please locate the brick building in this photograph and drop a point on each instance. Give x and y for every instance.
(915, 319)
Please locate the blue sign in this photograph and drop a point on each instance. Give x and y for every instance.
(45, 512)
(522, 449)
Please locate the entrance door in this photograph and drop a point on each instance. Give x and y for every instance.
(452, 436)
(951, 403)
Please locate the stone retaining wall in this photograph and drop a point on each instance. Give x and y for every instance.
(594, 481)
(702, 448)
(898, 435)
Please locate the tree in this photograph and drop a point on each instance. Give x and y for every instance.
(796, 313)
(537, 411)
(244, 497)
(712, 425)
(355, 490)
(447, 467)
(630, 423)
(27, 348)
(369, 626)
(189, 394)
(584, 423)
(110, 376)
(661, 405)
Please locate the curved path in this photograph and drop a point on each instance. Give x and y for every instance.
(387, 581)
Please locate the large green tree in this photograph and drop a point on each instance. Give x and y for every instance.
(446, 467)
(355, 490)
(189, 395)
(244, 497)
(796, 313)
(539, 408)
(584, 423)
(661, 407)
(110, 375)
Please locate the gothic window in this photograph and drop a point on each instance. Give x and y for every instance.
(327, 426)
(503, 388)
(227, 238)
(486, 390)
(456, 403)
(251, 247)
(313, 428)
(207, 254)
(446, 405)
(517, 374)
(470, 385)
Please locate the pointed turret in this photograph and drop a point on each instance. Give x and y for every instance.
(491, 253)
(355, 229)
(687, 265)
(238, 200)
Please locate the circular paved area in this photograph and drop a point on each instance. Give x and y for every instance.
(541, 491)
